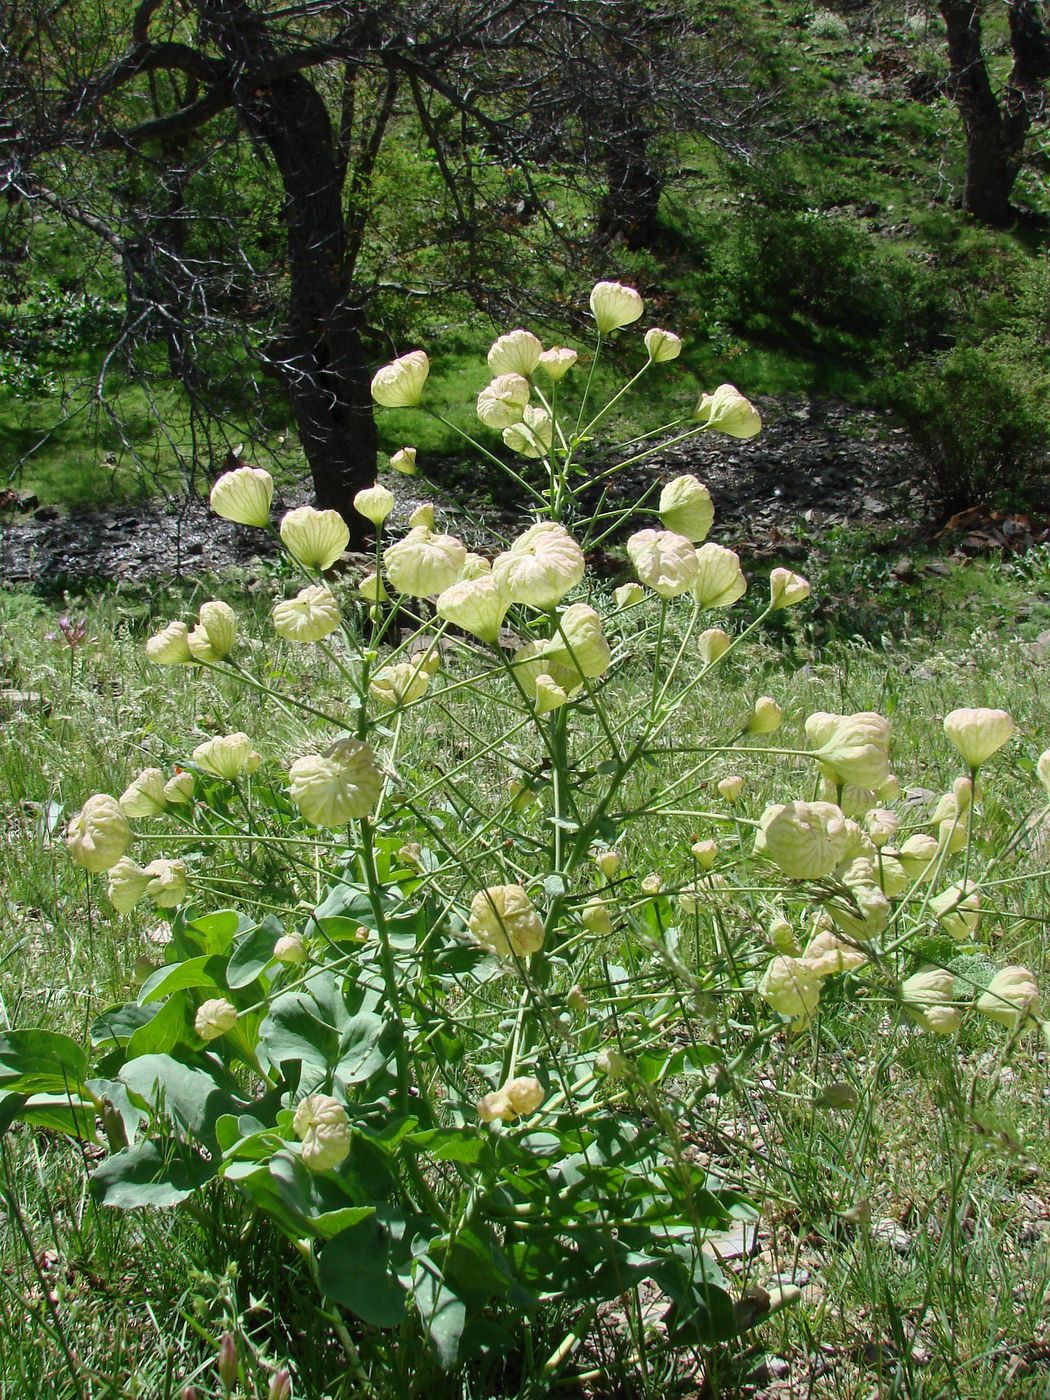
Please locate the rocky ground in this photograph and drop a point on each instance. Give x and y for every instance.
(818, 464)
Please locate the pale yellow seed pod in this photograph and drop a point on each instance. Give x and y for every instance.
(315, 538)
(662, 346)
(400, 383)
(375, 503)
(99, 834)
(243, 496)
(215, 1018)
(727, 411)
(977, 734)
(323, 1128)
(686, 508)
(614, 305)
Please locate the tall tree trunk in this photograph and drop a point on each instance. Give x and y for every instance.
(321, 357)
(995, 132)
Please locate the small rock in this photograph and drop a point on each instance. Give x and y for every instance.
(889, 1232)
(46, 513)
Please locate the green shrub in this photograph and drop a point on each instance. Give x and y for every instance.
(981, 414)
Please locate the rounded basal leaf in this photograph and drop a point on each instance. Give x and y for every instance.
(167, 883)
(851, 748)
(502, 402)
(243, 496)
(806, 840)
(331, 788)
(977, 734)
(686, 508)
(214, 1018)
(791, 988)
(1011, 998)
(517, 352)
(928, 997)
(145, 796)
(556, 362)
(399, 684)
(215, 635)
(477, 605)
(400, 383)
(404, 461)
(126, 885)
(315, 538)
(614, 305)
(308, 617)
(424, 564)
(532, 436)
(227, 756)
(541, 566)
(375, 503)
(170, 646)
(504, 921)
(662, 346)
(727, 411)
(580, 643)
(99, 834)
(663, 561)
(322, 1126)
(786, 589)
(719, 580)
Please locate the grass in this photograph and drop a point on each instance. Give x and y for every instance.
(913, 1218)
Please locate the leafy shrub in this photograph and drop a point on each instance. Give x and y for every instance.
(801, 277)
(981, 412)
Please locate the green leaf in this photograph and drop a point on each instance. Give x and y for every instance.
(149, 1175)
(41, 1062)
(252, 953)
(61, 1114)
(193, 1097)
(206, 972)
(210, 933)
(313, 1026)
(171, 1027)
(356, 1271)
(442, 1313)
(451, 1144)
(117, 1025)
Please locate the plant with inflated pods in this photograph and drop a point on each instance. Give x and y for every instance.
(457, 1045)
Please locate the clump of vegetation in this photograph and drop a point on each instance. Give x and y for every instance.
(500, 965)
